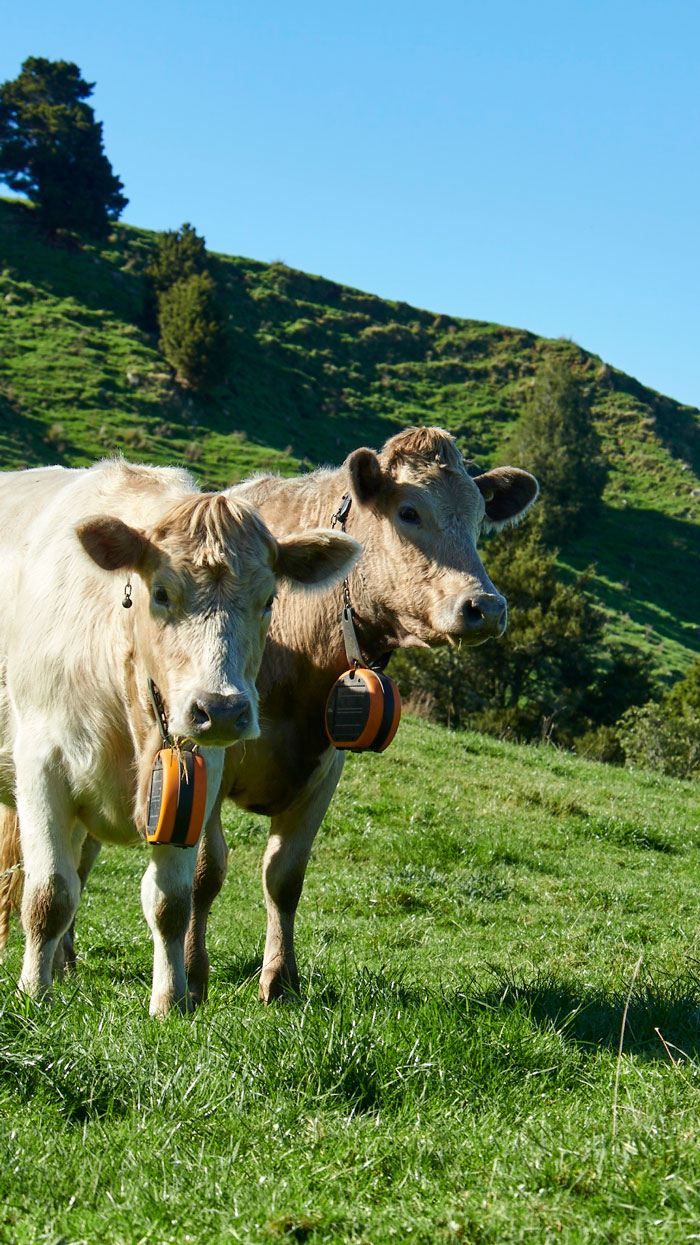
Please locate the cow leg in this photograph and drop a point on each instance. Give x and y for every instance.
(292, 834)
(88, 856)
(212, 862)
(166, 898)
(51, 884)
(11, 872)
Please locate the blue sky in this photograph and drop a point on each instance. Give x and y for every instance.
(529, 162)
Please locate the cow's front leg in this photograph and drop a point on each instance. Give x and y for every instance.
(284, 866)
(212, 861)
(51, 884)
(166, 898)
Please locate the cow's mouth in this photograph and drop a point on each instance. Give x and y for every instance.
(222, 720)
(210, 719)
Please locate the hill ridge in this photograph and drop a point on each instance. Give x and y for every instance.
(318, 369)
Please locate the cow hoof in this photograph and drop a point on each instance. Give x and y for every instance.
(277, 985)
(197, 988)
(196, 996)
(162, 1007)
(41, 993)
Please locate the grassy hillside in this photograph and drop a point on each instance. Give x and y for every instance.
(466, 948)
(320, 368)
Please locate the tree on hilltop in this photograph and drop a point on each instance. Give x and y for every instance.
(51, 148)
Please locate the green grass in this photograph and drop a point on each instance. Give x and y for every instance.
(319, 369)
(468, 936)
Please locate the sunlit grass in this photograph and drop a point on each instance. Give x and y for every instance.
(473, 915)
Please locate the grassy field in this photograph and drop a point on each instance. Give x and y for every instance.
(476, 917)
(319, 369)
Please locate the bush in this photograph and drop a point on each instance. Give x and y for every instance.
(666, 735)
(193, 334)
(180, 253)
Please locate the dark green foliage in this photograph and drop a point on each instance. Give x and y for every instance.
(179, 254)
(666, 735)
(193, 331)
(557, 441)
(553, 674)
(51, 148)
(184, 304)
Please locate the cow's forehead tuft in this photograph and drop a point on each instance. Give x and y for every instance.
(425, 449)
(211, 530)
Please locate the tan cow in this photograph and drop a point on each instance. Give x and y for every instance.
(78, 730)
(417, 514)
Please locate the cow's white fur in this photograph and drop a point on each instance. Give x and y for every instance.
(77, 731)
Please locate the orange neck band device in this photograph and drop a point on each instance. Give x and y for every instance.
(177, 788)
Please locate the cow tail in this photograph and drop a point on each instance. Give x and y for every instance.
(11, 872)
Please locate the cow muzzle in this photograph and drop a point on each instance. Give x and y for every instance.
(480, 616)
(222, 720)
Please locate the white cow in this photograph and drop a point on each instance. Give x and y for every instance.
(78, 730)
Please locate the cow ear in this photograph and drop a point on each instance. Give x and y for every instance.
(366, 475)
(508, 493)
(113, 545)
(319, 558)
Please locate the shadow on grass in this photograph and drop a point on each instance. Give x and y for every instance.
(660, 1015)
(666, 1012)
(23, 442)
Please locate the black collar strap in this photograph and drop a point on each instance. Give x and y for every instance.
(352, 648)
(161, 715)
(353, 651)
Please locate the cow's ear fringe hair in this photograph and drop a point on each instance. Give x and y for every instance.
(500, 525)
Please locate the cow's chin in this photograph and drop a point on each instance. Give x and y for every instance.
(216, 738)
(437, 637)
(459, 639)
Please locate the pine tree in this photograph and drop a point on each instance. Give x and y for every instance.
(557, 441)
(51, 148)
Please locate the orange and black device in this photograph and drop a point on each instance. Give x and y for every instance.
(177, 796)
(363, 711)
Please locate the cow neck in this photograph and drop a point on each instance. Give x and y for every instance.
(358, 650)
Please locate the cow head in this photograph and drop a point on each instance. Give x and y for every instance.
(419, 518)
(204, 583)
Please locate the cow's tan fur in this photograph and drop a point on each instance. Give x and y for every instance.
(77, 729)
(411, 587)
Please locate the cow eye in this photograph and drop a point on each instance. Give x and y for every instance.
(160, 596)
(408, 514)
(268, 605)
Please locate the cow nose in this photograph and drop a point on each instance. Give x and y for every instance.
(221, 717)
(484, 614)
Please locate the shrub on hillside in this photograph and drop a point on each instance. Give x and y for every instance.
(666, 735)
(193, 334)
(179, 254)
(556, 440)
